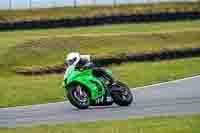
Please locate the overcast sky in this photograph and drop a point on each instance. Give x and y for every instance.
(4, 4)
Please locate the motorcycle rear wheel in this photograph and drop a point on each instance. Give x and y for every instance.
(123, 97)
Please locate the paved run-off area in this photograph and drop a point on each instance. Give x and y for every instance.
(172, 98)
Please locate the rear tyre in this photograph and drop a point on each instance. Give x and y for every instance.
(123, 97)
(78, 96)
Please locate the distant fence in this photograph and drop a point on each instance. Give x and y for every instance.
(26, 4)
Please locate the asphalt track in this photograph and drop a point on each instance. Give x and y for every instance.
(180, 97)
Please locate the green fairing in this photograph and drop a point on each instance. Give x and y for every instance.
(109, 72)
(85, 78)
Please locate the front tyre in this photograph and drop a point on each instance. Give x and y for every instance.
(123, 96)
(78, 96)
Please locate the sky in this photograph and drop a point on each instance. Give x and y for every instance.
(16, 4)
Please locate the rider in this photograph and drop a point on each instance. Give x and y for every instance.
(83, 62)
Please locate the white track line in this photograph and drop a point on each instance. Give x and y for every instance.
(168, 82)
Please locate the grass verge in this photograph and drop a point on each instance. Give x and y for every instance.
(51, 51)
(170, 124)
(22, 90)
(13, 38)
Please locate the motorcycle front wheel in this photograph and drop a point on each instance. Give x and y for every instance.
(78, 96)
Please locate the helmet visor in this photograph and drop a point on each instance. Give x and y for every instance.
(70, 62)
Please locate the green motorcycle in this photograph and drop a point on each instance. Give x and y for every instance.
(83, 89)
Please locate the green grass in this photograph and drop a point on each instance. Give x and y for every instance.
(52, 51)
(172, 124)
(13, 38)
(49, 47)
(52, 48)
(70, 12)
(21, 90)
(147, 73)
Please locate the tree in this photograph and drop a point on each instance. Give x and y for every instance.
(75, 3)
(115, 2)
(30, 4)
(10, 4)
(94, 2)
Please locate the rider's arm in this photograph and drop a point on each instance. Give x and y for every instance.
(89, 65)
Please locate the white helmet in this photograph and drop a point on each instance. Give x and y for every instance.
(72, 58)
